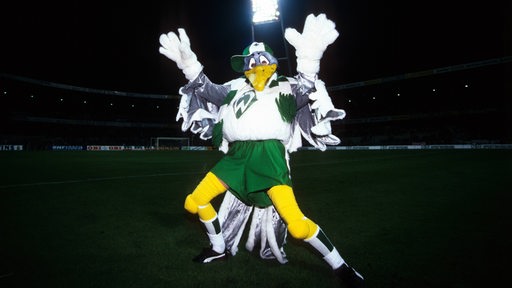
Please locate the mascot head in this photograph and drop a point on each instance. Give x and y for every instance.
(257, 63)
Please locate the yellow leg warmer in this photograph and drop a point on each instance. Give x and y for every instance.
(207, 212)
(284, 201)
(199, 201)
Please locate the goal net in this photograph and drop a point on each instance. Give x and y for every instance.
(170, 143)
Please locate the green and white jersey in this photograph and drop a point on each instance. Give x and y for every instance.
(282, 111)
(248, 114)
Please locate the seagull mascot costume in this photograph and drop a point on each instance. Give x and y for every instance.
(257, 120)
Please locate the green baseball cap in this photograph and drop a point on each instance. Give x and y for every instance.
(237, 61)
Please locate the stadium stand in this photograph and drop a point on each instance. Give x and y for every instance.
(465, 104)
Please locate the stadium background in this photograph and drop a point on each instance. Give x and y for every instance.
(85, 73)
(462, 104)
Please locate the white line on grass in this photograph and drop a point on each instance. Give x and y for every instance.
(97, 179)
(5, 275)
(196, 173)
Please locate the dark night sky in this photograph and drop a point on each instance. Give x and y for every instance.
(115, 47)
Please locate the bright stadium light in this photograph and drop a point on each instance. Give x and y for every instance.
(267, 11)
(264, 11)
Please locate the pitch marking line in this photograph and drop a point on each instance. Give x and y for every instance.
(97, 179)
(191, 173)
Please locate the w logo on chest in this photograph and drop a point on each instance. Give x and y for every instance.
(243, 103)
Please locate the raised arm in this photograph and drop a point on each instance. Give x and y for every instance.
(318, 33)
(178, 50)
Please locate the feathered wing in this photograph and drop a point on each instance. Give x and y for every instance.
(314, 120)
(314, 115)
(199, 105)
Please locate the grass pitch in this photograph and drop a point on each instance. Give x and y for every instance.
(425, 218)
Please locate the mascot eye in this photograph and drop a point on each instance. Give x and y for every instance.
(252, 63)
(264, 60)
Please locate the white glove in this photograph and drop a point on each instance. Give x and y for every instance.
(319, 32)
(178, 50)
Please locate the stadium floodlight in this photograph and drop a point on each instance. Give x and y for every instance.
(264, 11)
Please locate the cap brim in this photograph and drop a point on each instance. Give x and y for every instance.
(237, 62)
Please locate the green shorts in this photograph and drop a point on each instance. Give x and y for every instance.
(250, 168)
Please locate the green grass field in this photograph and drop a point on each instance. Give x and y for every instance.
(425, 218)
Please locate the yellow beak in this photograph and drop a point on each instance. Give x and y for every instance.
(259, 75)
